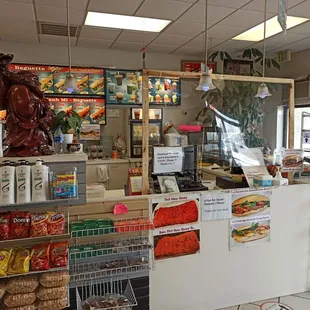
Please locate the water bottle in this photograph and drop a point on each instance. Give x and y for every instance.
(58, 141)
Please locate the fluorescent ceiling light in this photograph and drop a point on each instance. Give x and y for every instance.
(272, 27)
(125, 22)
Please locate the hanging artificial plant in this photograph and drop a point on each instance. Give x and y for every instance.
(237, 99)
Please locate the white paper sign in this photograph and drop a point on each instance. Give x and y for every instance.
(250, 172)
(216, 206)
(249, 157)
(168, 159)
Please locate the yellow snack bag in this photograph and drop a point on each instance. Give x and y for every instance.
(4, 261)
(21, 262)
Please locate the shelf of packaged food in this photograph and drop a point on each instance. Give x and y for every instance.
(112, 294)
(108, 226)
(35, 272)
(35, 239)
(30, 205)
(108, 248)
(106, 269)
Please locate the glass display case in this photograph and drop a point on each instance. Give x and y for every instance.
(155, 131)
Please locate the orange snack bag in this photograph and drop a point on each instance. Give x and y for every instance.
(38, 226)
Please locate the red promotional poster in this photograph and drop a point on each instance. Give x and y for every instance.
(195, 66)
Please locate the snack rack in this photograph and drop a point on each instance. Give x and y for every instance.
(112, 288)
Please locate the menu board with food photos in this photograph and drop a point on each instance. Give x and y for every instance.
(123, 87)
(90, 110)
(90, 81)
(164, 91)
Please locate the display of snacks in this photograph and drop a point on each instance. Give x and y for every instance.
(29, 307)
(106, 302)
(41, 258)
(55, 304)
(19, 300)
(5, 256)
(52, 293)
(22, 285)
(59, 254)
(20, 225)
(19, 262)
(54, 279)
(64, 185)
(131, 225)
(118, 246)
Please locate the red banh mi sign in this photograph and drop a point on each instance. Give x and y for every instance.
(72, 100)
(39, 68)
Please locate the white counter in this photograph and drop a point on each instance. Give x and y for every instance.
(113, 161)
(50, 158)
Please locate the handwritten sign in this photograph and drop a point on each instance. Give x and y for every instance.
(216, 207)
(168, 159)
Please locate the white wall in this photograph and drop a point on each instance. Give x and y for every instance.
(57, 55)
(217, 278)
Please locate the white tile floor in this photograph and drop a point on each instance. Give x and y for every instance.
(293, 302)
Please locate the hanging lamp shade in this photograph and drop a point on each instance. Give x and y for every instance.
(70, 84)
(205, 83)
(262, 91)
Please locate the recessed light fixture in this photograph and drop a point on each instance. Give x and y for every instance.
(272, 27)
(125, 22)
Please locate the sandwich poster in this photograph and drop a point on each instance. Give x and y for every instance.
(292, 161)
(249, 231)
(176, 226)
(90, 110)
(250, 202)
(90, 132)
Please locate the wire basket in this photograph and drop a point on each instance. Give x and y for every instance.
(116, 291)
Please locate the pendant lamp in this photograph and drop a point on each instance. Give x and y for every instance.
(205, 82)
(263, 90)
(70, 84)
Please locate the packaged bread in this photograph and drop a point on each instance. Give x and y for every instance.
(2, 288)
(22, 285)
(29, 307)
(51, 293)
(19, 300)
(56, 304)
(55, 279)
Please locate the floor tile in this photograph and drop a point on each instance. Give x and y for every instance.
(259, 303)
(303, 295)
(296, 303)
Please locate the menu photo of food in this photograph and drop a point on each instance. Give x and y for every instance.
(176, 244)
(82, 108)
(164, 91)
(123, 87)
(175, 212)
(248, 205)
(46, 82)
(249, 231)
(292, 161)
(60, 104)
(82, 82)
(96, 84)
(98, 112)
(59, 82)
(90, 132)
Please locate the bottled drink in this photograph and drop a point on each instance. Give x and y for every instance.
(58, 141)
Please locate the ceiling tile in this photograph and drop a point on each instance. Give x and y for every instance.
(127, 46)
(169, 39)
(99, 33)
(295, 47)
(189, 1)
(76, 4)
(59, 15)
(17, 11)
(226, 3)
(164, 9)
(12, 28)
(272, 5)
(56, 40)
(234, 45)
(301, 29)
(19, 1)
(92, 43)
(184, 28)
(199, 42)
(188, 51)
(137, 36)
(156, 48)
(197, 14)
(114, 6)
(224, 32)
(19, 37)
(244, 18)
(301, 10)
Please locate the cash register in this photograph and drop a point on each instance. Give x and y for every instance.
(188, 178)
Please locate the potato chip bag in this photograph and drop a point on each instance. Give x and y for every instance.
(4, 261)
(38, 226)
(21, 262)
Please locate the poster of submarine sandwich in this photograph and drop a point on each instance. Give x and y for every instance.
(249, 231)
(250, 202)
(292, 161)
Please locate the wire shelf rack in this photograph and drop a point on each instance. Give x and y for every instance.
(112, 247)
(107, 269)
(112, 294)
(127, 225)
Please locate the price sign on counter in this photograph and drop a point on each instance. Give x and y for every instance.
(168, 159)
(216, 206)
